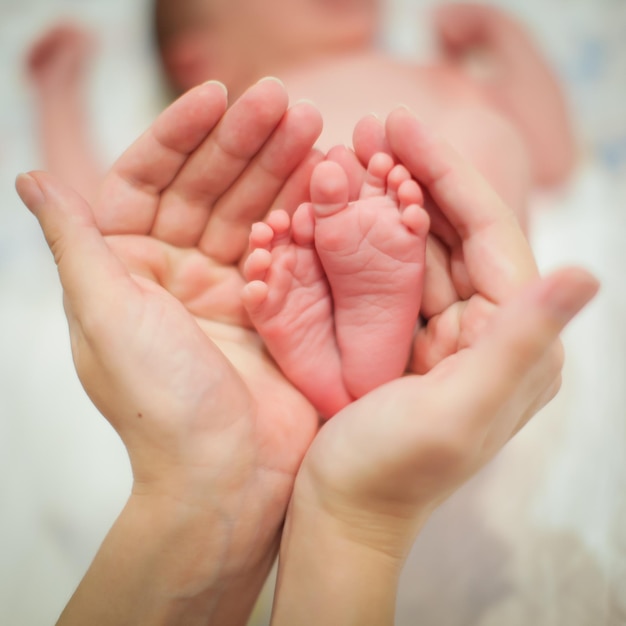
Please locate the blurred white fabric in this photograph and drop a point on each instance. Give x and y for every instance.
(539, 537)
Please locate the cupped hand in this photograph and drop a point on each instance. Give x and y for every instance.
(485, 362)
(159, 337)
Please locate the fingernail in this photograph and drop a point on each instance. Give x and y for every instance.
(218, 83)
(29, 190)
(305, 101)
(272, 78)
(569, 298)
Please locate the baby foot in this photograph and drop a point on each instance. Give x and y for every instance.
(288, 300)
(372, 251)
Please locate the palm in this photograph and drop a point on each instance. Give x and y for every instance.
(176, 210)
(210, 292)
(275, 433)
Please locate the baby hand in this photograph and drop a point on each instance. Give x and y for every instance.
(59, 58)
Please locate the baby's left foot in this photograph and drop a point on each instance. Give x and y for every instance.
(373, 254)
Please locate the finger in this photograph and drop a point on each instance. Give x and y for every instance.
(496, 253)
(439, 291)
(296, 190)
(518, 359)
(369, 138)
(151, 164)
(483, 395)
(457, 327)
(87, 267)
(294, 193)
(210, 171)
(460, 192)
(255, 190)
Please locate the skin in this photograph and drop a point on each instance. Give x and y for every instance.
(325, 50)
(211, 427)
(151, 310)
(243, 40)
(57, 66)
(375, 472)
(500, 55)
(322, 285)
(487, 61)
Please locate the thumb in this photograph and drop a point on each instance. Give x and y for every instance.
(517, 363)
(491, 389)
(529, 325)
(87, 267)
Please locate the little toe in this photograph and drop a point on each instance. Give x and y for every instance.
(329, 189)
(416, 219)
(254, 294)
(378, 169)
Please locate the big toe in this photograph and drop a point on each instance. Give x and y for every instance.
(329, 189)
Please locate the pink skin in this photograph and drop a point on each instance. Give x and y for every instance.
(59, 58)
(247, 39)
(321, 285)
(373, 252)
(288, 300)
(500, 56)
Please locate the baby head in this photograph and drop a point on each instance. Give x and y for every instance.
(240, 41)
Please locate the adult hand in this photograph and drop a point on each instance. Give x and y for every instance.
(485, 362)
(161, 343)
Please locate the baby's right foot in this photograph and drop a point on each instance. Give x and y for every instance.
(289, 303)
(373, 253)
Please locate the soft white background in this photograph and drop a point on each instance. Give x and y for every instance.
(539, 537)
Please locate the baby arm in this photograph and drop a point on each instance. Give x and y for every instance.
(57, 65)
(498, 53)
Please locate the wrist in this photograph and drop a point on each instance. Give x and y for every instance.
(184, 556)
(380, 521)
(207, 569)
(329, 574)
(164, 563)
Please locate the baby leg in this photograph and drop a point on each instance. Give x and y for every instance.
(289, 303)
(372, 251)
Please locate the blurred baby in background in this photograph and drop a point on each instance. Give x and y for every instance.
(490, 93)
